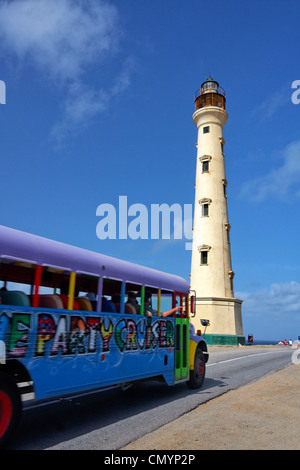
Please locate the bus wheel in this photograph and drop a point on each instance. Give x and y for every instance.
(197, 375)
(10, 407)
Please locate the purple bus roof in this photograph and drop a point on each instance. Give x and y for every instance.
(18, 245)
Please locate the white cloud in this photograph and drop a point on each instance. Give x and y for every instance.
(83, 103)
(272, 313)
(273, 103)
(62, 40)
(60, 37)
(279, 182)
(279, 299)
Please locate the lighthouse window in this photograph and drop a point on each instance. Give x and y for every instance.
(205, 210)
(204, 257)
(206, 130)
(224, 181)
(205, 166)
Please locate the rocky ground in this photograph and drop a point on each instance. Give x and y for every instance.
(264, 415)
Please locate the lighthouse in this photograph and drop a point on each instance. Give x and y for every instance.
(212, 274)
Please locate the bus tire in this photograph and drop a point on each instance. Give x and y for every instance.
(10, 407)
(197, 375)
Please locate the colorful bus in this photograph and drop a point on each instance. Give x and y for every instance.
(72, 320)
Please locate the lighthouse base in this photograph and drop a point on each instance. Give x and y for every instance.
(225, 340)
(225, 320)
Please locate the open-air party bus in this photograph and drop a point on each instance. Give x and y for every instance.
(72, 320)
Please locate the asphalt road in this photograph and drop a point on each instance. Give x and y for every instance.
(110, 420)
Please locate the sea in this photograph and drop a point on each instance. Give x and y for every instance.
(263, 342)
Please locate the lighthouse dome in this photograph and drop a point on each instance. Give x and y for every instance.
(209, 86)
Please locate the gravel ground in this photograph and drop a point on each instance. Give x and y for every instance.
(264, 415)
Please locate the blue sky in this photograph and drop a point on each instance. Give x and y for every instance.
(99, 104)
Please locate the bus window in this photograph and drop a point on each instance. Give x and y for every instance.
(184, 303)
(165, 302)
(158, 302)
(134, 299)
(181, 300)
(86, 291)
(152, 301)
(141, 300)
(177, 303)
(17, 282)
(49, 289)
(17, 286)
(111, 295)
(79, 291)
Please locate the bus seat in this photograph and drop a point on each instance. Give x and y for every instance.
(130, 309)
(64, 298)
(108, 306)
(15, 297)
(118, 307)
(50, 301)
(84, 304)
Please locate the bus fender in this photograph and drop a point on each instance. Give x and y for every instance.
(196, 342)
(193, 347)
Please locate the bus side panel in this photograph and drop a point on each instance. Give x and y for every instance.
(67, 351)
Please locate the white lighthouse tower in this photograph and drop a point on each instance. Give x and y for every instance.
(211, 271)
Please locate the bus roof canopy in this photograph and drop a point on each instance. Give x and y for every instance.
(17, 245)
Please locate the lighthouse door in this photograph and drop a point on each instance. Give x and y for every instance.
(181, 338)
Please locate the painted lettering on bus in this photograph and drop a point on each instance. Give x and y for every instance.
(46, 334)
(17, 339)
